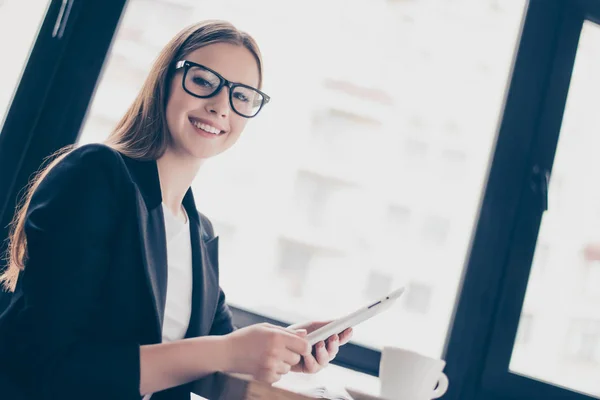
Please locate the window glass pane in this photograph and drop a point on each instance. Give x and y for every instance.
(365, 171)
(19, 24)
(558, 340)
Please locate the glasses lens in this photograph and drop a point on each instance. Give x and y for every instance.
(201, 82)
(246, 101)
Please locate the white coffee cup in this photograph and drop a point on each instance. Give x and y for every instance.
(406, 375)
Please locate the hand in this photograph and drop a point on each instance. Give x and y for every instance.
(265, 351)
(323, 352)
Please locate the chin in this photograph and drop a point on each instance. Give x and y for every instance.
(202, 149)
(203, 154)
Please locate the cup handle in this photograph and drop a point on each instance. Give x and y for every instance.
(442, 386)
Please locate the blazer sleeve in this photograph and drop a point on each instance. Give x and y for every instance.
(223, 321)
(70, 223)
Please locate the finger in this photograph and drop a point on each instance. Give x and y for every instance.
(301, 332)
(291, 358)
(291, 329)
(267, 375)
(333, 345)
(310, 364)
(309, 326)
(300, 325)
(298, 367)
(294, 341)
(346, 336)
(283, 368)
(321, 354)
(296, 332)
(297, 344)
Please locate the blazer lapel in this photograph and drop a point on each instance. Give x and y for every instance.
(205, 286)
(204, 292)
(153, 242)
(154, 255)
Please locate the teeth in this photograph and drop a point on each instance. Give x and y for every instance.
(206, 128)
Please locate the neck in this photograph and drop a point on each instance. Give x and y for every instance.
(176, 174)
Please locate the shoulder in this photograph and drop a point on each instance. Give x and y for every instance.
(92, 163)
(92, 156)
(90, 169)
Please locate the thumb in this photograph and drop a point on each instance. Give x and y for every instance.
(301, 332)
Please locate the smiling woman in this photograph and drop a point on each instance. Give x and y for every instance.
(93, 314)
(360, 120)
(422, 151)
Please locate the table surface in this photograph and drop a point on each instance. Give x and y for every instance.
(334, 378)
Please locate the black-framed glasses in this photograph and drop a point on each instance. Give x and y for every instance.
(203, 82)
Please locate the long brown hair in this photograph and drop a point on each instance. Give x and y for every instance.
(142, 133)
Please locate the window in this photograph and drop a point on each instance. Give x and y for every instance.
(226, 233)
(322, 201)
(583, 342)
(336, 135)
(302, 212)
(294, 262)
(452, 128)
(565, 346)
(415, 152)
(435, 230)
(592, 280)
(398, 222)
(410, 89)
(312, 194)
(418, 298)
(338, 130)
(19, 21)
(378, 284)
(542, 258)
(329, 129)
(524, 332)
(590, 276)
(454, 163)
(223, 229)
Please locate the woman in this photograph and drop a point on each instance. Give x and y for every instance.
(93, 314)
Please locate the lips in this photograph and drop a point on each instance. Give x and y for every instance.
(206, 126)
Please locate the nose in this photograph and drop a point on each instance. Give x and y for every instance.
(219, 104)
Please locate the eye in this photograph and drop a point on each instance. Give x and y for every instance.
(198, 80)
(241, 97)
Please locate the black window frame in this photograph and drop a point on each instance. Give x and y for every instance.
(497, 381)
(60, 78)
(53, 95)
(497, 273)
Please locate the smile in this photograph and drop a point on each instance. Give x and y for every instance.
(206, 127)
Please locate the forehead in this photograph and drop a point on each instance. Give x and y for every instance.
(235, 63)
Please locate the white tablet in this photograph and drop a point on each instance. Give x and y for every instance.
(355, 318)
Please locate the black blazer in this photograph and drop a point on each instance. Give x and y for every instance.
(94, 286)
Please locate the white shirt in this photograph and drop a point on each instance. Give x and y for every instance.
(178, 307)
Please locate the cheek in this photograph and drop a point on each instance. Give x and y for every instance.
(170, 116)
(173, 114)
(172, 106)
(237, 125)
(177, 108)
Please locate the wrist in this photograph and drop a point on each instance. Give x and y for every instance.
(223, 353)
